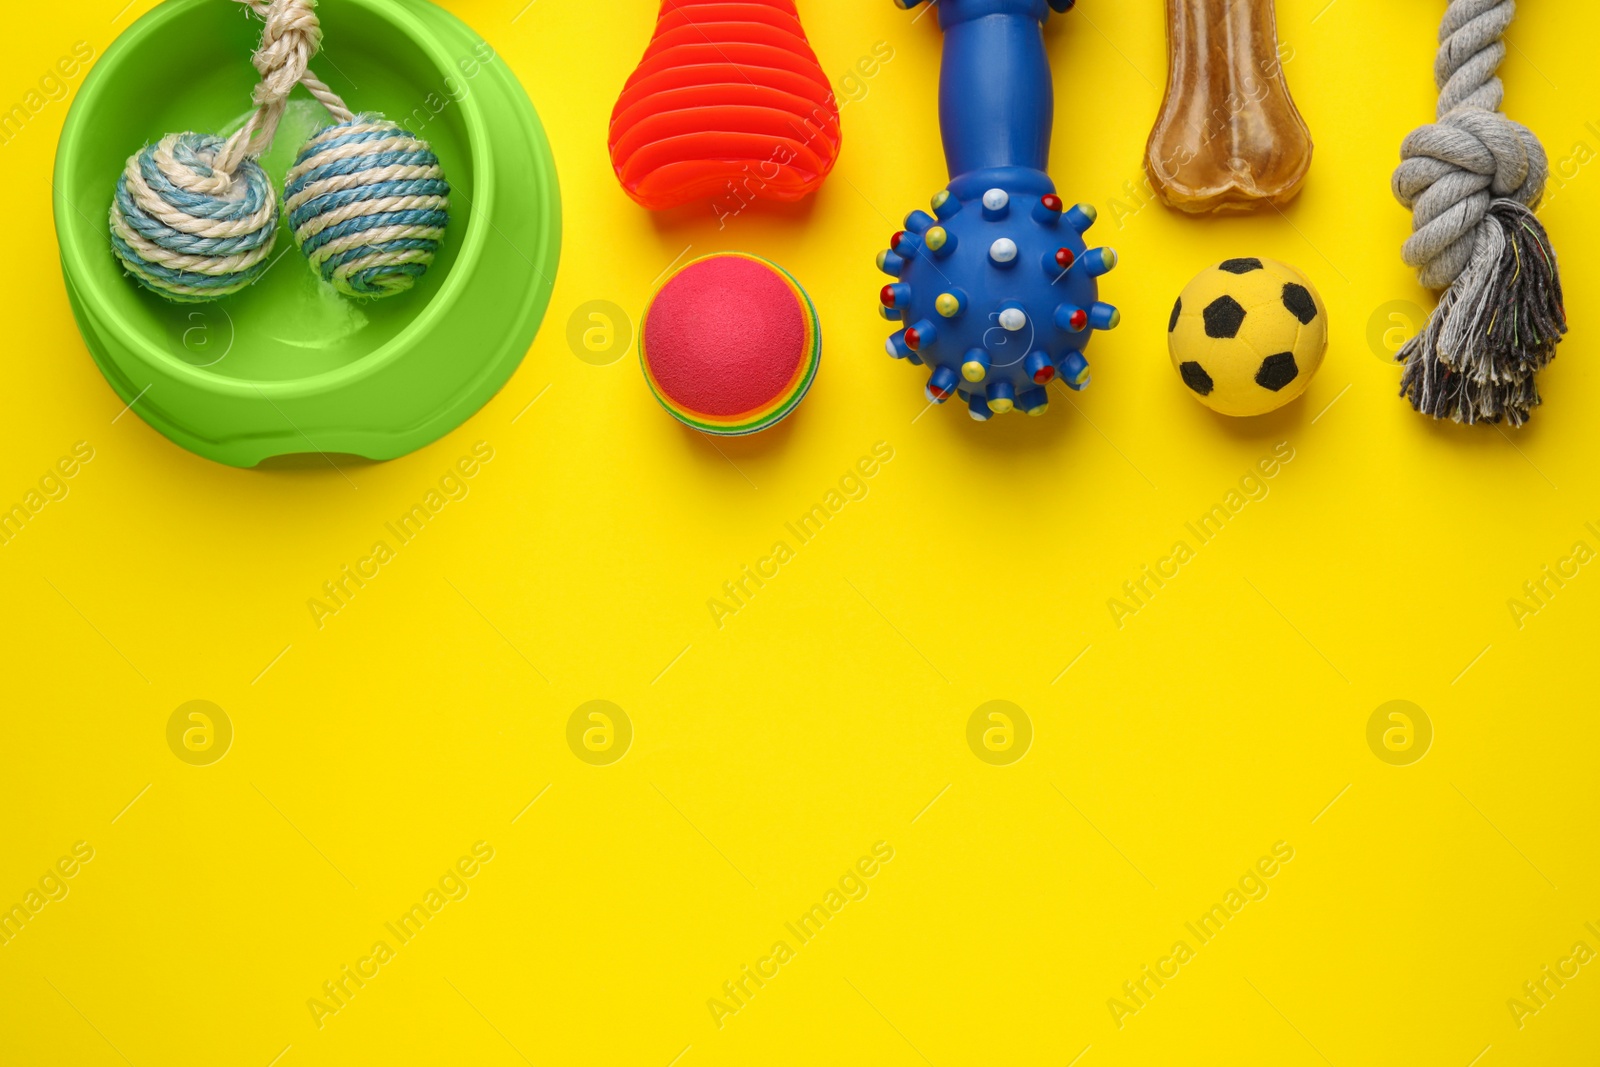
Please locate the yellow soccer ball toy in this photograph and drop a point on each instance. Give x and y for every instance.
(1247, 335)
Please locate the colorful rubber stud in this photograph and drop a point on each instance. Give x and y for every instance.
(941, 385)
(975, 365)
(1033, 401)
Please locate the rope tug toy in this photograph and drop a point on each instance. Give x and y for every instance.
(999, 287)
(1471, 180)
(195, 216)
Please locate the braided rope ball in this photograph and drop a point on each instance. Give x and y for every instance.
(1453, 169)
(368, 204)
(185, 228)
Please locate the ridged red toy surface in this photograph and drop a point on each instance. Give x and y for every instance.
(729, 104)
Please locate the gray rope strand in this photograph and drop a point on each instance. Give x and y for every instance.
(1471, 180)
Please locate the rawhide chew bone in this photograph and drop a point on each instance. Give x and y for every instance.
(997, 288)
(1472, 179)
(728, 102)
(1228, 135)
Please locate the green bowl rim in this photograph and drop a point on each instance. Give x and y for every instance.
(143, 349)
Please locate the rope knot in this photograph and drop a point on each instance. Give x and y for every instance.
(1471, 179)
(1453, 168)
(292, 37)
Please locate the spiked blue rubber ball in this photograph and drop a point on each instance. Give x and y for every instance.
(999, 296)
(368, 203)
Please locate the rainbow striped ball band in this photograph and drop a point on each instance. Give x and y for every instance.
(368, 204)
(730, 344)
(186, 231)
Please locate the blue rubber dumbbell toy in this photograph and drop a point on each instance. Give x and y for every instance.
(997, 288)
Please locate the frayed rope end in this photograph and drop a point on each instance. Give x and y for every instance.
(1497, 325)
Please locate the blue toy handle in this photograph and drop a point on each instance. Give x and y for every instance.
(996, 103)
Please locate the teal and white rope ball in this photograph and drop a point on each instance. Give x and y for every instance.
(368, 203)
(187, 229)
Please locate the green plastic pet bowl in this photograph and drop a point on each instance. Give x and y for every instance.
(288, 365)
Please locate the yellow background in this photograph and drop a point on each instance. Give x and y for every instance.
(831, 712)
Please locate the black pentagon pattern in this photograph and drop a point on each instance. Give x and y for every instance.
(1196, 378)
(1277, 371)
(1223, 317)
(1299, 302)
(1172, 323)
(1239, 266)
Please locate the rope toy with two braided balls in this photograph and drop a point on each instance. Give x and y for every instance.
(195, 217)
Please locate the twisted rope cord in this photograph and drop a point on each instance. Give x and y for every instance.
(1452, 170)
(290, 39)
